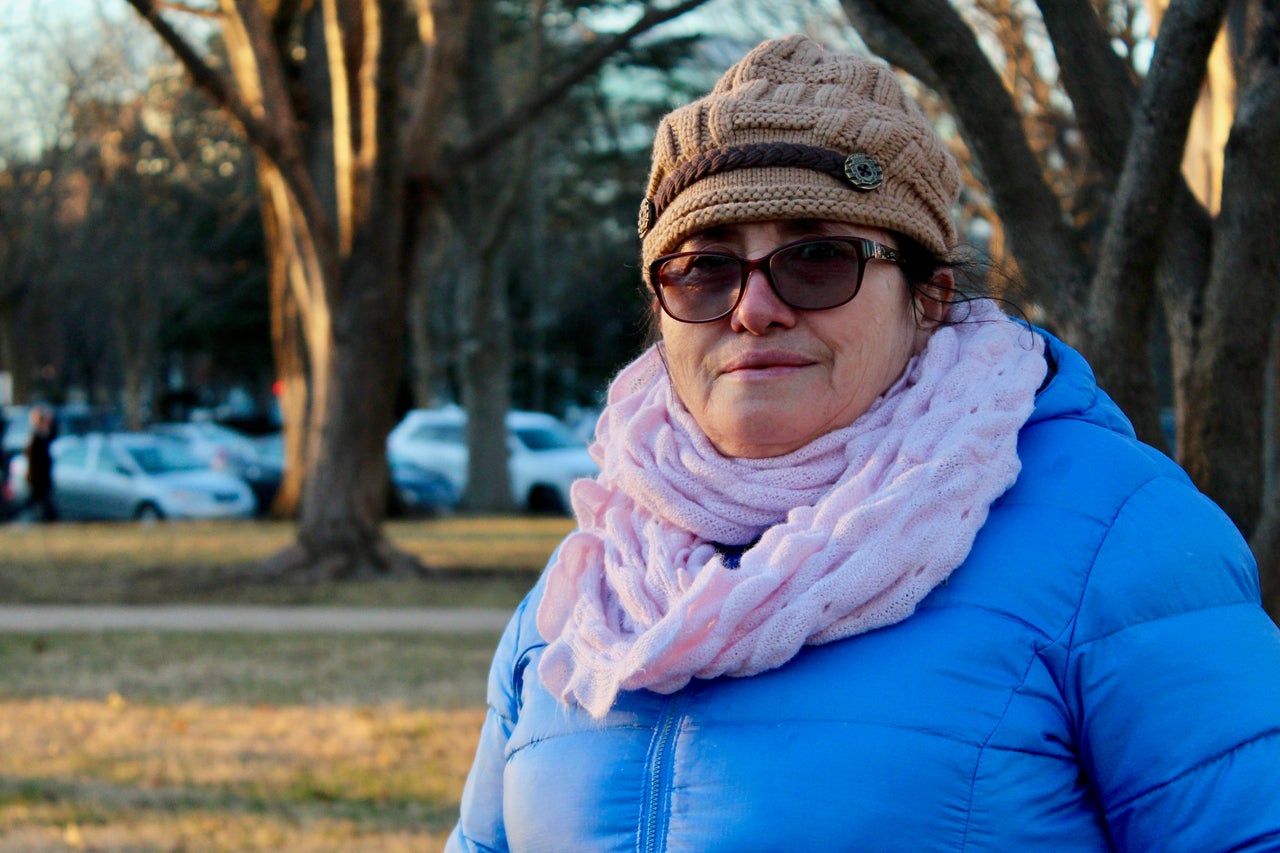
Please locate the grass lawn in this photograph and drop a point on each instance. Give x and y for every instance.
(114, 775)
(137, 741)
(491, 562)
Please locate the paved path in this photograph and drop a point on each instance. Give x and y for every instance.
(25, 619)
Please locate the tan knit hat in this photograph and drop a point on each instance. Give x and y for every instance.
(796, 132)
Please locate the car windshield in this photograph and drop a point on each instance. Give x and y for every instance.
(545, 438)
(163, 457)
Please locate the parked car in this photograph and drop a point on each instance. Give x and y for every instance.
(136, 475)
(414, 490)
(419, 491)
(17, 428)
(225, 449)
(544, 456)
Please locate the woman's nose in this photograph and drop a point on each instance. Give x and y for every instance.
(759, 308)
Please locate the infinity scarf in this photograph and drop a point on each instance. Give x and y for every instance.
(842, 536)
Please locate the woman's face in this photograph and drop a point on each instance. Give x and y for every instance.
(768, 379)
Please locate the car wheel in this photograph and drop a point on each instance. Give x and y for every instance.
(148, 512)
(545, 500)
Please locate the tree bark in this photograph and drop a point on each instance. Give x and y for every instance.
(1103, 94)
(481, 203)
(889, 42)
(343, 498)
(1224, 436)
(485, 366)
(1266, 539)
(288, 351)
(1121, 298)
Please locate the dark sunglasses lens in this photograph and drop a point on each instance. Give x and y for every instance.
(817, 274)
(694, 288)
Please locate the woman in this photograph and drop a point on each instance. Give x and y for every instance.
(868, 566)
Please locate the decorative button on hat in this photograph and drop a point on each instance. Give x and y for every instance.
(794, 131)
(645, 220)
(863, 171)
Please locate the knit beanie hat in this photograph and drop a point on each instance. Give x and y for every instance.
(796, 132)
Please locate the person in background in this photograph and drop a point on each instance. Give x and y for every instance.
(40, 465)
(869, 565)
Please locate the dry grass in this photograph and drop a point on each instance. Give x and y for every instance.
(137, 741)
(142, 742)
(519, 542)
(430, 671)
(113, 775)
(495, 560)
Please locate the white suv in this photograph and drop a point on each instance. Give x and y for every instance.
(544, 455)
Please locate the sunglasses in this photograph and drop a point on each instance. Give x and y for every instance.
(809, 275)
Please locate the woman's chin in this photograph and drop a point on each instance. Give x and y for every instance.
(761, 437)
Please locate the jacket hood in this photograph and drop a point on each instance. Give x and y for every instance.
(1071, 391)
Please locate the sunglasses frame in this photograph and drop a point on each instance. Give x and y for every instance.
(866, 250)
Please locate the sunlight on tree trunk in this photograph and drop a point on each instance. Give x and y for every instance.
(317, 89)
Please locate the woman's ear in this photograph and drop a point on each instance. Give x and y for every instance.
(931, 299)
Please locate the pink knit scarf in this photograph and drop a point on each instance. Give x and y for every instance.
(850, 532)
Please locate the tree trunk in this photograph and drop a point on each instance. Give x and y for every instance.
(356, 331)
(485, 367)
(480, 208)
(1224, 434)
(1181, 279)
(8, 361)
(1122, 291)
(343, 501)
(287, 350)
(1266, 540)
(427, 256)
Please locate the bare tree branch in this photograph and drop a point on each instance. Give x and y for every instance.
(437, 83)
(888, 41)
(1104, 94)
(272, 136)
(257, 131)
(507, 127)
(1098, 82)
(185, 9)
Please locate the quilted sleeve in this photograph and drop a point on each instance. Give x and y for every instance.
(480, 826)
(1174, 680)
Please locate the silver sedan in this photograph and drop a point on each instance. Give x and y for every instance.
(136, 475)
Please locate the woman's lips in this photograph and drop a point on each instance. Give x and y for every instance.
(766, 361)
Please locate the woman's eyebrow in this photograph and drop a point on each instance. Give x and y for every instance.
(801, 227)
(712, 234)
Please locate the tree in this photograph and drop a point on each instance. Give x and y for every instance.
(1215, 278)
(320, 88)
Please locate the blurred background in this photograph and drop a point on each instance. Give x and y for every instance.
(344, 252)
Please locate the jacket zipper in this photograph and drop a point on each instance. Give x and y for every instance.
(659, 767)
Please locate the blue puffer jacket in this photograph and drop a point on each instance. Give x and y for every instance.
(1098, 675)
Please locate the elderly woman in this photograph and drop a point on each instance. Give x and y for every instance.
(868, 566)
